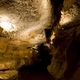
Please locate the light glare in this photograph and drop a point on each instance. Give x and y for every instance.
(6, 24)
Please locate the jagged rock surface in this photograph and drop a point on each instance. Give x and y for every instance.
(66, 45)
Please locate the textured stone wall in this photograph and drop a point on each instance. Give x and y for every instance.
(66, 43)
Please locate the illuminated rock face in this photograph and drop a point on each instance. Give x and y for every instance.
(18, 18)
(66, 44)
(22, 24)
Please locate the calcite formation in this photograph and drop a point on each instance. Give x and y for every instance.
(22, 24)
